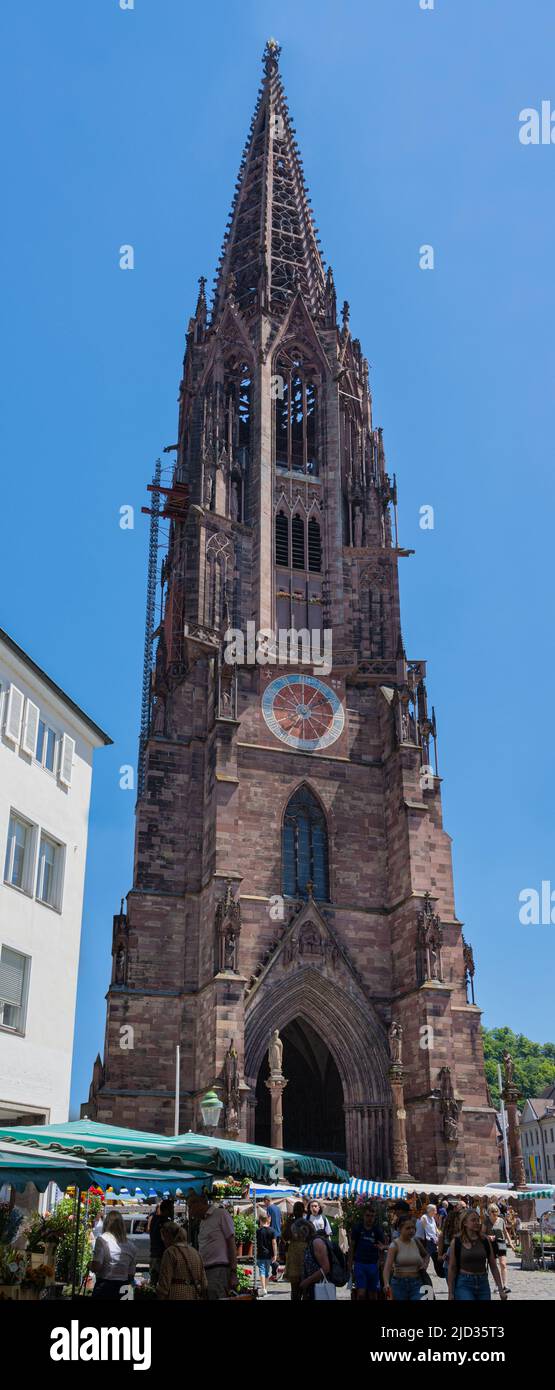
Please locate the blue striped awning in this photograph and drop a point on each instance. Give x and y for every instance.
(356, 1187)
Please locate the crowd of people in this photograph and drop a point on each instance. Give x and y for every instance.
(380, 1258)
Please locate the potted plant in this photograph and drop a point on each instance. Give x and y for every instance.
(35, 1280)
(249, 1235)
(239, 1222)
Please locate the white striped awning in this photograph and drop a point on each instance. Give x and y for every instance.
(357, 1187)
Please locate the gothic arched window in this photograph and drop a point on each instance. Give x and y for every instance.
(296, 399)
(305, 847)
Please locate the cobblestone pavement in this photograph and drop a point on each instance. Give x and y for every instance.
(524, 1285)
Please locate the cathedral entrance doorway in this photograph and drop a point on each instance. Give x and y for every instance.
(313, 1115)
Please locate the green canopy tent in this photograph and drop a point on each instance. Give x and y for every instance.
(107, 1146)
(278, 1163)
(22, 1165)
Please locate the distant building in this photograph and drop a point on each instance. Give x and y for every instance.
(537, 1128)
(46, 751)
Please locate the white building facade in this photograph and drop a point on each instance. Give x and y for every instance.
(537, 1129)
(46, 752)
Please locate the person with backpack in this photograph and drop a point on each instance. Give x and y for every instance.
(367, 1240)
(325, 1268)
(300, 1232)
(470, 1254)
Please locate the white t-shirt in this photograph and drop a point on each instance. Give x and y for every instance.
(430, 1230)
(116, 1261)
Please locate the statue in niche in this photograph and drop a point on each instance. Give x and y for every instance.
(120, 966)
(230, 951)
(429, 942)
(309, 941)
(234, 500)
(208, 490)
(357, 527)
(231, 1076)
(228, 927)
(232, 1097)
(275, 1054)
(396, 1042)
(469, 970)
(448, 1106)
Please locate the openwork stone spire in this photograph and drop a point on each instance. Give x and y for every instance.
(270, 248)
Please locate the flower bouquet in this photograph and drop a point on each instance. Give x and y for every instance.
(13, 1268)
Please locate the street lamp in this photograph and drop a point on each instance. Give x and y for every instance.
(211, 1108)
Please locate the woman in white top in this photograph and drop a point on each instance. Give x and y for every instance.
(114, 1259)
(317, 1219)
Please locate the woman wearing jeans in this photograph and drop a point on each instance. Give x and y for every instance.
(469, 1257)
(406, 1264)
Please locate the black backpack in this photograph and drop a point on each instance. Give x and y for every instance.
(338, 1274)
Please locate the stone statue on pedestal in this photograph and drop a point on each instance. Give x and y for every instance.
(275, 1054)
(396, 1042)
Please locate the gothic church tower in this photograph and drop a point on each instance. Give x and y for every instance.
(291, 867)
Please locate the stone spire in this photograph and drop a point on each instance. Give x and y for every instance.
(271, 243)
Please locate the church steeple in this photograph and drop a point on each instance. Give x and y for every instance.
(270, 246)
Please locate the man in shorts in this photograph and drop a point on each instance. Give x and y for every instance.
(367, 1239)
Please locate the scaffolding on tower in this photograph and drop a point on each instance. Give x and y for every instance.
(149, 620)
(168, 503)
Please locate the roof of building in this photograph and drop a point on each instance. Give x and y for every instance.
(57, 690)
(543, 1106)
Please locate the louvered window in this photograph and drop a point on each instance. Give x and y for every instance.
(14, 714)
(14, 970)
(67, 752)
(282, 539)
(297, 543)
(30, 728)
(314, 546)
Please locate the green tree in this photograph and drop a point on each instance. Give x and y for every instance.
(534, 1063)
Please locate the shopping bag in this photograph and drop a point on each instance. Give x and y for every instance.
(325, 1289)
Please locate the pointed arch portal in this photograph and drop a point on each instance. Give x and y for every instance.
(313, 1114)
(338, 1091)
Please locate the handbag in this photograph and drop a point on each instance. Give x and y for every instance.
(325, 1290)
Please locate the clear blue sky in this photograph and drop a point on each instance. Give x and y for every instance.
(127, 126)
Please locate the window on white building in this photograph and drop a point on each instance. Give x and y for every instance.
(46, 746)
(19, 854)
(14, 982)
(50, 872)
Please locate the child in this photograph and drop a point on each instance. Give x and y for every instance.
(266, 1250)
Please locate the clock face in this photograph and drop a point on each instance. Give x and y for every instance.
(303, 712)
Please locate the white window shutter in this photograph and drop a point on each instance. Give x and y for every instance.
(14, 714)
(67, 751)
(30, 728)
(12, 975)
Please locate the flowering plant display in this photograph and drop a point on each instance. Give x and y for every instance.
(244, 1279)
(13, 1265)
(10, 1221)
(37, 1278)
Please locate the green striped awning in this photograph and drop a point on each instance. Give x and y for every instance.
(108, 1146)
